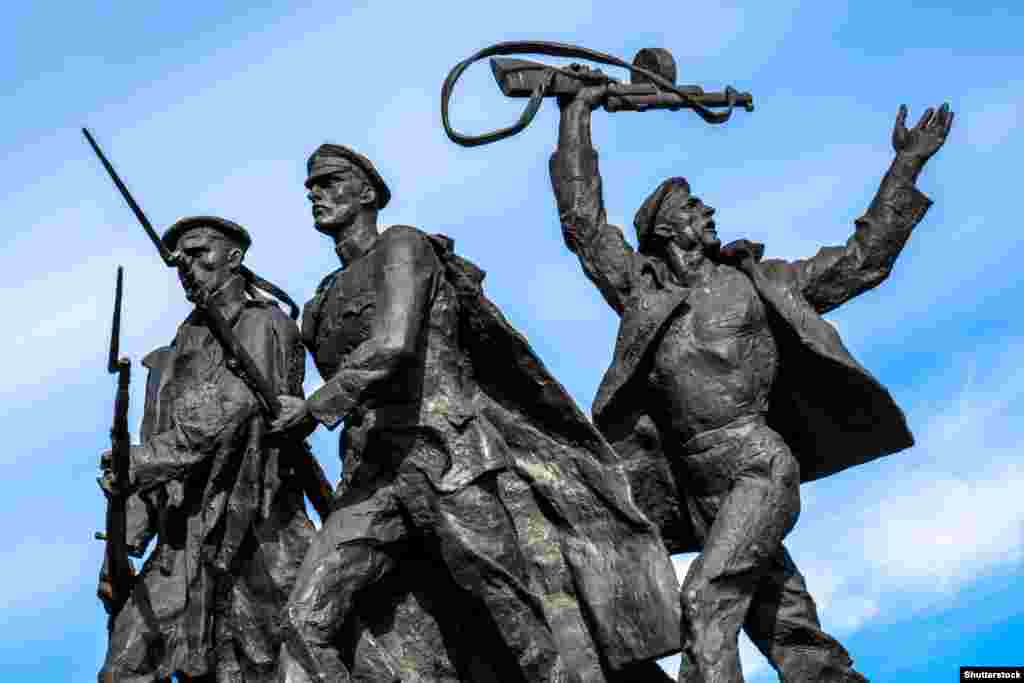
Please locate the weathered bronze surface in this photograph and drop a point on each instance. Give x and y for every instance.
(461, 454)
(219, 493)
(653, 86)
(485, 530)
(727, 388)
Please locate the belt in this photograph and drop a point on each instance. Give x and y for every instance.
(736, 429)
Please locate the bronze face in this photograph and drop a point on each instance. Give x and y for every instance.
(207, 260)
(337, 198)
(687, 221)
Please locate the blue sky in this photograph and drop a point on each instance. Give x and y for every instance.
(916, 560)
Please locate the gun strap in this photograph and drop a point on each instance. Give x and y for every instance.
(252, 280)
(552, 49)
(310, 475)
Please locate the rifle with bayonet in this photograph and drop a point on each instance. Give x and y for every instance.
(315, 483)
(118, 575)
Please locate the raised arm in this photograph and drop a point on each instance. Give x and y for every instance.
(837, 274)
(405, 273)
(607, 259)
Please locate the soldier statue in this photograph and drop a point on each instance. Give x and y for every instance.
(728, 389)
(215, 488)
(458, 443)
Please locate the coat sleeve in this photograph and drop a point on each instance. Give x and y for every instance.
(405, 271)
(141, 509)
(607, 259)
(836, 274)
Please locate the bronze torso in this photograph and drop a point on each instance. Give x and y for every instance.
(716, 359)
(432, 388)
(339, 316)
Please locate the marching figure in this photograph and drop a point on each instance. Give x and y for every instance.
(728, 389)
(458, 443)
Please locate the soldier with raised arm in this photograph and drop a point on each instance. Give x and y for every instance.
(727, 389)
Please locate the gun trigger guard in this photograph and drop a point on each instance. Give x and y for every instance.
(716, 117)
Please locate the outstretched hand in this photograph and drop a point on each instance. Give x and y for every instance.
(927, 137)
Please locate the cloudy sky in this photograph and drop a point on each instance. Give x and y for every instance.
(916, 561)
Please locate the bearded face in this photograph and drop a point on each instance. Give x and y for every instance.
(206, 260)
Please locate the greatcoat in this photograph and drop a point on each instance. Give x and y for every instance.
(828, 408)
(480, 394)
(221, 498)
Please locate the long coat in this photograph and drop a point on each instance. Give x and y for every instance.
(596, 563)
(219, 494)
(831, 411)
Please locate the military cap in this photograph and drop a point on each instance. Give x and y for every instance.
(222, 225)
(647, 214)
(329, 158)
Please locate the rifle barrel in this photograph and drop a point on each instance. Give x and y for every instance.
(165, 255)
(642, 101)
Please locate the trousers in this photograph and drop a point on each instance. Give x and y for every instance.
(387, 511)
(744, 497)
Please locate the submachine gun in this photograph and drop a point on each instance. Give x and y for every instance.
(652, 85)
(313, 480)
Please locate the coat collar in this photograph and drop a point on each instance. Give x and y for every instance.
(644, 315)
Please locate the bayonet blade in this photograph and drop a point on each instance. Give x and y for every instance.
(115, 325)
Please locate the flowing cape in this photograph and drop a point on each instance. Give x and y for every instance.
(625, 583)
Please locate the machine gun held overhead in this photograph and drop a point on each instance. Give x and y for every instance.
(652, 85)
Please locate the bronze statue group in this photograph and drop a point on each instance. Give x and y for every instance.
(485, 529)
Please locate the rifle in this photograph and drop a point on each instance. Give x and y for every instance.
(317, 488)
(652, 85)
(117, 575)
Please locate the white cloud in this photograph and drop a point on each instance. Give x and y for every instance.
(948, 512)
(961, 513)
